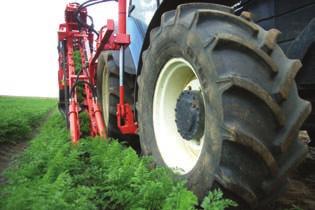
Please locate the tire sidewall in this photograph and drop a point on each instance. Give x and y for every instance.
(101, 64)
(179, 42)
(103, 71)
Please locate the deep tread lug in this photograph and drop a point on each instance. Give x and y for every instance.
(282, 88)
(270, 40)
(247, 15)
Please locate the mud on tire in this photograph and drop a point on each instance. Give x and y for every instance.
(253, 111)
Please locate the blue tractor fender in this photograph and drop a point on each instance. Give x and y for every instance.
(132, 52)
(139, 31)
(137, 38)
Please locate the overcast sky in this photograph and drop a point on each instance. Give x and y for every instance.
(28, 49)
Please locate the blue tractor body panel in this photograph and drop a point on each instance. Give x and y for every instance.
(137, 36)
(290, 16)
(137, 24)
(145, 15)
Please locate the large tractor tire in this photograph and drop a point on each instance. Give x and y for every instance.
(107, 82)
(217, 103)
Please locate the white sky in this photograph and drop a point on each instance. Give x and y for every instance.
(28, 48)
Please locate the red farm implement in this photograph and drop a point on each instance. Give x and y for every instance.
(211, 86)
(76, 38)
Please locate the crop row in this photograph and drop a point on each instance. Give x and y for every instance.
(94, 174)
(20, 115)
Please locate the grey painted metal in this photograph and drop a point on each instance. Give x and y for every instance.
(121, 65)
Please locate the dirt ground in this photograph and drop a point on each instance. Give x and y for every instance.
(301, 189)
(7, 152)
(12, 148)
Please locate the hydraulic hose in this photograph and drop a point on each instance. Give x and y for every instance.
(85, 5)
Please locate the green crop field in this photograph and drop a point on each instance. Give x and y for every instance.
(53, 173)
(20, 115)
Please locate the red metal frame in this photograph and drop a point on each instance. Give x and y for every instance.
(74, 38)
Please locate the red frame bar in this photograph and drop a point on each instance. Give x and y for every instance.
(68, 32)
(107, 40)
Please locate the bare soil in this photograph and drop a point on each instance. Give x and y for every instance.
(301, 189)
(7, 152)
(12, 148)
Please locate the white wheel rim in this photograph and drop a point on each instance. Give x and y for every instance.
(177, 153)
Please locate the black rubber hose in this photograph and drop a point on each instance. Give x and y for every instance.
(83, 82)
(85, 5)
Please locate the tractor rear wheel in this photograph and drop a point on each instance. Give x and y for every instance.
(218, 104)
(107, 82)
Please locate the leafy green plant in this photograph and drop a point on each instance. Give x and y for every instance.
(20, 115)
(215, 201)
(77, 61)
(186, 199)
(84, 123)
(93, 174)
(294, 207)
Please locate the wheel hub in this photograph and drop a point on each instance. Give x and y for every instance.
(189, 116)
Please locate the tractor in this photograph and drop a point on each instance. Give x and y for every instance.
(210, 88)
